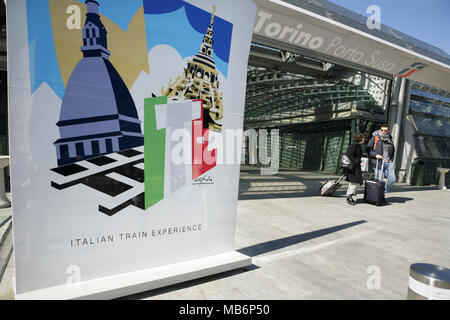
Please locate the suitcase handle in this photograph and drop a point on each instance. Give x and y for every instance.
(376, 170)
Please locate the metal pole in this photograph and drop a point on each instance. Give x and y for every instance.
(428, 282)
(403, 100)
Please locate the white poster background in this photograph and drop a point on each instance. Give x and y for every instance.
(45, 220)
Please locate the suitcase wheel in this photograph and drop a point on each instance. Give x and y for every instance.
(377, 204)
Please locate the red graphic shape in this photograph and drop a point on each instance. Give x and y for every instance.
(408, 74)
(202, 159)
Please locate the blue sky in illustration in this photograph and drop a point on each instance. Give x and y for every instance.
(43, 61)
(182, 26)
(184, 23)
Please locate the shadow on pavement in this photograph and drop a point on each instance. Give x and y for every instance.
(296, 184)
(253, 186)
(5, 221)
(187, 284)
(273, 245)
(398, 199)
(249, 251)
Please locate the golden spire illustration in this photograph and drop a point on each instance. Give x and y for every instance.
(200, 81)
(212, 15)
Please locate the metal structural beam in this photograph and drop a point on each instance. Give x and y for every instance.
(285, 88)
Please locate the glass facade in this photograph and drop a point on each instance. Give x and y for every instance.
(285, 91)
(432, 126)
(316, 106)
(430, 95)
(429, 109)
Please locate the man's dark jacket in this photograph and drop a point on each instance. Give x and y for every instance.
(372, 152)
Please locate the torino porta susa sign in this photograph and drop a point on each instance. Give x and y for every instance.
(282, 22)
(116, 110)
(311, 38)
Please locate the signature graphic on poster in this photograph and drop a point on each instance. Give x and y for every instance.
(104, 145)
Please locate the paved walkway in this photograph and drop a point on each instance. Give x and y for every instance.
(309, 247)
(5, 213)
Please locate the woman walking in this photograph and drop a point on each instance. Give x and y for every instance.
(354, 176)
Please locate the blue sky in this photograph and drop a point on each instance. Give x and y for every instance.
(426, 20)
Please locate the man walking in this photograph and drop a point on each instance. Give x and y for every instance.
(379, 148)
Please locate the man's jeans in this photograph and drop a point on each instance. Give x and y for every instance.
(388, 171)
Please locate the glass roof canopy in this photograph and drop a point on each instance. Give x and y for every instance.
(352, 19)
(284, 88)
(275, 99)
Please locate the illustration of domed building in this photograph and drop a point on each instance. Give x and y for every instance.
(200, 81)
(98, 115)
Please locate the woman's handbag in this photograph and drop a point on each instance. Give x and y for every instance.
(346, 163)
(364, 164)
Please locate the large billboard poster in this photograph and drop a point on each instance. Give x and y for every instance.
(125, 131)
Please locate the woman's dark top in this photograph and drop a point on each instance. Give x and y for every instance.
(354, 152)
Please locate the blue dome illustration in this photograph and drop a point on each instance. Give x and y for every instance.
(98, 115)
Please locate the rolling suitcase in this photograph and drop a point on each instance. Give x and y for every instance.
(329, 187)
(374, 189)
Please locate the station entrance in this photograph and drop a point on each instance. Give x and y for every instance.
(316, 105)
